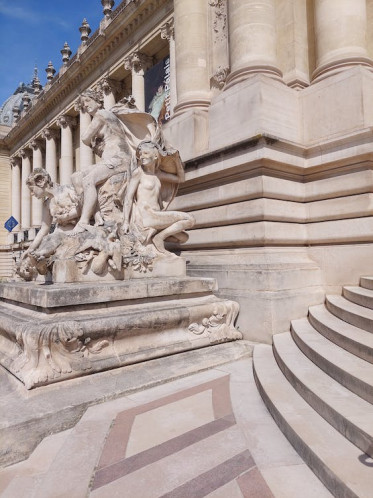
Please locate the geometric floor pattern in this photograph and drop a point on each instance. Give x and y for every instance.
(148, 434)
(206, 435)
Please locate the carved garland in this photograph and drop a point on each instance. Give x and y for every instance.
(220, 325)
(46, 352)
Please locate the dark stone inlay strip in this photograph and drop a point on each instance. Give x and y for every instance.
(215, 478)
(115, 446)
(253, 485)
(135, 462)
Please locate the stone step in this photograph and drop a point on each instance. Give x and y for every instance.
(337, 462)
(21, 479)
(349, 312)
(359, 295)
(355, 340)
(347, 412)
(366, 282)
(347, 369)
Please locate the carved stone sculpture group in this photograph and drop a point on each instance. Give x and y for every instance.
(114, 217)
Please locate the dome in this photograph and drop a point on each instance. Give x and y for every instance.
(6, 110)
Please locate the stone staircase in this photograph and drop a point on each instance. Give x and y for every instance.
(317, 382)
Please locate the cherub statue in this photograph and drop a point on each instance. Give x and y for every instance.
(151, 188)
(61, 207)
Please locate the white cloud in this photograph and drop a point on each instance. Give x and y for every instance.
(17, 12)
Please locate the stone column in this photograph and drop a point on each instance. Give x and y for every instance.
(191, 49)
(110, 89)
(252, 39)
(67, 154)
(37, 162)
(138, 63)
(168, 33)
(26, 194)
(51, 137)
(340, 32)
(86, 157)
(15, 162)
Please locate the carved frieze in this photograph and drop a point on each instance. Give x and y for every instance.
(48, 351)
(219, 326)
(219, 78)
(219, 19)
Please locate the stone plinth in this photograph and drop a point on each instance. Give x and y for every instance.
(55, 332)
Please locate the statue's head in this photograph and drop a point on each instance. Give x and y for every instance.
(87, 98)
(39, 178)
(148, 152)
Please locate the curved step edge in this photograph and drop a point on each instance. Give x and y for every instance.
(366, 282)
(266, 373)
(317, 397)
(353, 339)
(349, 312)
(358, 295)
(353, 382)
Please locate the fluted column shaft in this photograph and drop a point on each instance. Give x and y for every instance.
(51, 137)
(191, 54)
(37, 162)
(252, 39)
(340, 32)
(67, 153)
(167, 33)
(26, 194)
(16, 189)
(138, 63)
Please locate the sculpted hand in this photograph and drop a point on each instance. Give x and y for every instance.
(125, 227)
(25, 254)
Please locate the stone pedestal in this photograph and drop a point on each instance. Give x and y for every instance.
(50, 333)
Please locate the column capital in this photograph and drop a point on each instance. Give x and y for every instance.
(15, 160)
(49, 133)
(25, 153)
(36, 144)
(107, 85)
(168, 30)
(138, 62)
(65, 120)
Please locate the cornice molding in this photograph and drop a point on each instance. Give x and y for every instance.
(125, 30)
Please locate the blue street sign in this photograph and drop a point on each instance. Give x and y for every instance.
(10, 223)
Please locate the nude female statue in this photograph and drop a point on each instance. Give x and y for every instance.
(106, 136)
(143, 206)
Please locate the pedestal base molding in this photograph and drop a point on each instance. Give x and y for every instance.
(57, 332)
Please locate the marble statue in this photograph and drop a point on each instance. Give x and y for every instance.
(151, 188)
(113, 221)
(61, 208)
(111, 228)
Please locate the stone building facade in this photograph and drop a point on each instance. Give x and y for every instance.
(271, 109)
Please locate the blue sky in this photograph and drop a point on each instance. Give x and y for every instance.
(34, 31)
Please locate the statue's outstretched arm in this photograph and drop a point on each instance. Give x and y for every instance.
(43, 232)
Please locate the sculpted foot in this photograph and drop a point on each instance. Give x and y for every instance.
(79, 228)
(159, 244)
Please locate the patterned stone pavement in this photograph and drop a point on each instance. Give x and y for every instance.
(207, 434)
